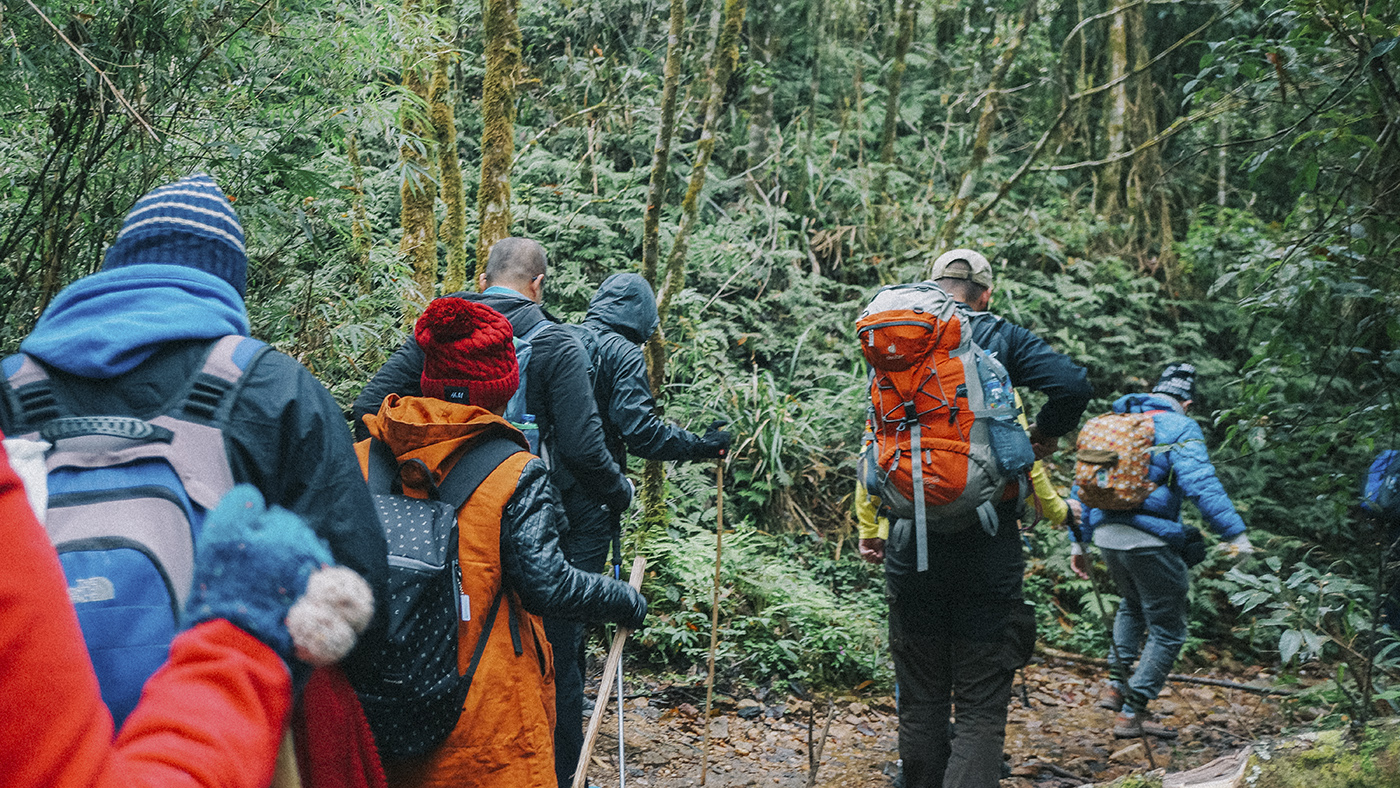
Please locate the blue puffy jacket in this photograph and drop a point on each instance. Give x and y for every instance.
(1184, 470)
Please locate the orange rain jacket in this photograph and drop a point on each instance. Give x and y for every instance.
(508, 544)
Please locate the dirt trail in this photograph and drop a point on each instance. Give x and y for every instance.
(1060, 739)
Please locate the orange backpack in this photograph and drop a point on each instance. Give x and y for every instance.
(1113, 458)
(936, 396)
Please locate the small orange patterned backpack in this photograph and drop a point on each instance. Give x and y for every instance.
(1114, 454)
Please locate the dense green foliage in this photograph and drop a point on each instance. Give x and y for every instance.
(1253, 231)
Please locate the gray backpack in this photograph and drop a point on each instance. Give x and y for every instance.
(127, 497)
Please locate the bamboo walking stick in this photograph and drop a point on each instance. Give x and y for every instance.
(714, 615)
(590, 737)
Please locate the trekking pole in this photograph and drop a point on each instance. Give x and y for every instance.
(714, 615)
(621, 752)
(590, 737)
(1108, 625)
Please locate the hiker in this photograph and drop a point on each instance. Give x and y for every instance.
(214, 713)
(621, 316)
(158, 403)
(1147, 549)
(557, 394)
(959, 628)
(509, 552)
(1380, 504)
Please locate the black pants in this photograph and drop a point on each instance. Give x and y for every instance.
(585, 546)
(957, 632)
(936, 677)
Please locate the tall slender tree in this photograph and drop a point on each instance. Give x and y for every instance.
(453, 230)
(661, 154)
(418, 185)
(497, 125)
(981, 143)
(724, 57)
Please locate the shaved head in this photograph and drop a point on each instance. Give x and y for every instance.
(515, 262)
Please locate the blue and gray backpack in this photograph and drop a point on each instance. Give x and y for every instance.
(127, 497)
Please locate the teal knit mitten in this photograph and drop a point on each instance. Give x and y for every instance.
(252, 565)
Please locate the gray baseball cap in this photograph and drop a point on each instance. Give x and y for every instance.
(981, 273)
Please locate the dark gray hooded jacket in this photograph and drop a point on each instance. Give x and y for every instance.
(621, 316)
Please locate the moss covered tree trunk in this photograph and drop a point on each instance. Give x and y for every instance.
(454, 223)
(903, 38)
(816, 27)
(661, 154)
(498, 125)
(360, 239)
(981, 144)
(762, 45)
(725, 56)
(418, 188)
(1108, 189)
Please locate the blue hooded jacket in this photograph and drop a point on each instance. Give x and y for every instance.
(107, 324)
(1182, 471)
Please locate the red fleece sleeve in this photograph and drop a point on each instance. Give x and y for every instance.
(212, 716)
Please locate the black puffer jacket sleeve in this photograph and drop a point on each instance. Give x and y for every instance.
(535, 567)
(632, 409)
(399, 375)
(569, 413)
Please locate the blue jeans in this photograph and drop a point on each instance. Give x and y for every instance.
(1152, 582)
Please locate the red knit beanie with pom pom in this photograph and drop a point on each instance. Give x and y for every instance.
(469, 353)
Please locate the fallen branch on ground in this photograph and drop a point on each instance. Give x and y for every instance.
(1055, 653)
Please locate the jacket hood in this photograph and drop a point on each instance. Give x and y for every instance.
(1141, 403)
(625, 304)
(435, 431)
(105, 325)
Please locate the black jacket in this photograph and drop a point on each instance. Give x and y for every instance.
(285, 436)
(534, 566)
(1033, 364)
(620, 317)
(556, 392)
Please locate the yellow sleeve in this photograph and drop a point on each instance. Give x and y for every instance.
(871, 525)
(1052, 506)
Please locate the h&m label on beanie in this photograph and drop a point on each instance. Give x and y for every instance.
(457, 394)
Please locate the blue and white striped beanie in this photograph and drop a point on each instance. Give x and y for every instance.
(188, 223)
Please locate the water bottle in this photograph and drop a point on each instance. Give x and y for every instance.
(1010, 444)
(527, 425)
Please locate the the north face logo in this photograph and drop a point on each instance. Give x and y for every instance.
(92, 589)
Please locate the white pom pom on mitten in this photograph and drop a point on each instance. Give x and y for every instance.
(326, 620)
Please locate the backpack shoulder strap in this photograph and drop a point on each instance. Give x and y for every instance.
(382, 468)
(29, 394)
(214, 388)
(589, 339)
(473, 468)
(535, 329)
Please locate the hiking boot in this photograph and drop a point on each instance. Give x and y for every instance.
(1111, 699)
(1144, 724)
